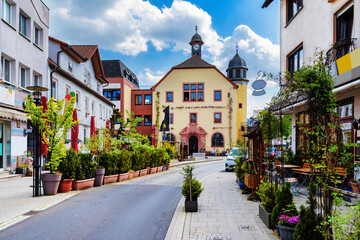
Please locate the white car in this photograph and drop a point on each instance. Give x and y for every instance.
(229, 162)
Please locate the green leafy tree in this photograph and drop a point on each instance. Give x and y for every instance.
(54, 125)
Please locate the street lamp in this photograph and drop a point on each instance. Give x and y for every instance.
(37, 164)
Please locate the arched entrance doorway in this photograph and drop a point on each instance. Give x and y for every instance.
(193, 145)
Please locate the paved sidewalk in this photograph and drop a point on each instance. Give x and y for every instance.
(224, 213)
(176, 163)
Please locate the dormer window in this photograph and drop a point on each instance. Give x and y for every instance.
(87, 77)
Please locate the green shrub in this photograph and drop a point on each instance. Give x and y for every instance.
(267, 196)
(68, 164)
(123, 160)
(195, 189)
(239, 160)
(109, 162)
(136, 159)
(170, 149)
(283, 203)
(86, 168)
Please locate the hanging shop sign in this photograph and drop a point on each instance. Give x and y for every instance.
(7, 95)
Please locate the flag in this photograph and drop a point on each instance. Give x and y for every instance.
(165, 124)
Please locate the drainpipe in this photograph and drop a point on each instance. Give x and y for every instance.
(55, 69)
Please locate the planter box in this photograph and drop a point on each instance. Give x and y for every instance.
(99, 177)
(265, 217)
(153, 170)
(83, 184)
(159, 169)
(65, 185)
(285, 232)
(136, 174)
(143, 172)
(123, 177)
(191, 206)
(110, 179)
(251, 180)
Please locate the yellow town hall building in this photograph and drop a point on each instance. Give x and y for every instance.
(207, 109)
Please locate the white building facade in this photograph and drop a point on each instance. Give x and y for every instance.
(24, 29)
(78, 69)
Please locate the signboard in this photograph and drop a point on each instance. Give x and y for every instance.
(7, 95)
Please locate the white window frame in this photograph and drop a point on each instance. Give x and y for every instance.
(98, 87)
(70, 66)
(37, 77)
(67, 89)
(39, 35)
(92, 108)
(27, 24)
(87, 110)
(6, 18)
(87, 77)
(78, 100)
(27, 76)
(55, 93)
(100, 110)
(3, 59)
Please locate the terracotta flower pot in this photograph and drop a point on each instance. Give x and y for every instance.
(131, 174)
(83, 184)
(50, 183)
(123, 177)
(136, 174)
(153, 170)
(110, 179)
(148, 169)
(159, 169)
(143, 172)
(99, 177)
(65, 185)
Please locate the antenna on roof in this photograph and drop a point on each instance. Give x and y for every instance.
(195, 28)
(237, 47)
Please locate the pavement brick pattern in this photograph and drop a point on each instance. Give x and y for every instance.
(224, 213)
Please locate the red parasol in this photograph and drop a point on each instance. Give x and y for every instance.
(108, 134)
(92, 126)
(153, 139)
(75, 133)
(44, 145)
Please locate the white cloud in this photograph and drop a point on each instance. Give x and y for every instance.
(150, 77)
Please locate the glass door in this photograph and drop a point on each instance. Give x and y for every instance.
(1, 146)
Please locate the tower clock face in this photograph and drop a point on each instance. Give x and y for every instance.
(196, 47)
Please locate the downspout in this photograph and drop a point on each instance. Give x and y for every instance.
(55, 69)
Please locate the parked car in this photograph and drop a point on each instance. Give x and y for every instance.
(230, 159)
(271, 152)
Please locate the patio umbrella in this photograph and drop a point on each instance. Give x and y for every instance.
(92, 131)
(75, 133)
(108, 134)
(44, 145)
(153, 139)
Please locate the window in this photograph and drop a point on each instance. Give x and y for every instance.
(140, 122)
(217, 117)
(77, 103)
(169, 96)
(112, 94)
(87, 77)
(92, 108)
(54, 89)
(68, 90)
(193, 92)
(217, 140)
(100, 111)
(217, 95)
(147, 120)
(98, 87)
(244, 74)
(293, 6)
(37, 36)
(147, 100)
(87, 105)
(24, 25)
(22, 77)
(7, 11)
(295, 60)
(193, 118)
(344, 31)
(6, 69)
(240, 105)
(138, 99)
(70, 66)
(170, 137)
(171, 120)
(37, 80)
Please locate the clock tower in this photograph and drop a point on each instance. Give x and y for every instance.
(196, 43)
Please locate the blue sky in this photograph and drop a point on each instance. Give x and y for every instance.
(152, 36)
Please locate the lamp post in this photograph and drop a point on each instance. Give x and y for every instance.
(37, 164)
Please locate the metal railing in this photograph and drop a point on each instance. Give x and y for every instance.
(339, 49)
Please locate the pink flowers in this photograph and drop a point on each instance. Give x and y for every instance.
(287, 221)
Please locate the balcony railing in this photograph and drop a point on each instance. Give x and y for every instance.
(340, 49)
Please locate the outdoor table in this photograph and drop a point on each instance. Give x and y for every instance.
(306, 173)
(287, 167)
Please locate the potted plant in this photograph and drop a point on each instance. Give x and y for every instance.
(355, 185)
(67, 168)
(124, 164)
(266, 193)
(251, 179)
(191, 189)
(286, 226)
(84, 172)
(22, 169)
(108, 161)
(161, 158)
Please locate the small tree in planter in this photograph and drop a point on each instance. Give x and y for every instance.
(267, 198)
(191, 189)
(67, 168)
(53, 124)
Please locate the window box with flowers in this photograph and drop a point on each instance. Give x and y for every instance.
(286, 226)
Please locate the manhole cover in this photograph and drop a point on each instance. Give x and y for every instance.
(218, 238)
(247, 228)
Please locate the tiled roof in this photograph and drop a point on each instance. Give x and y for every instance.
(116, 68)
(86, 51)
(194, 62)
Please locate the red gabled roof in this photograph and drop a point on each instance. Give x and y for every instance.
(192, 63)
(87, 51)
